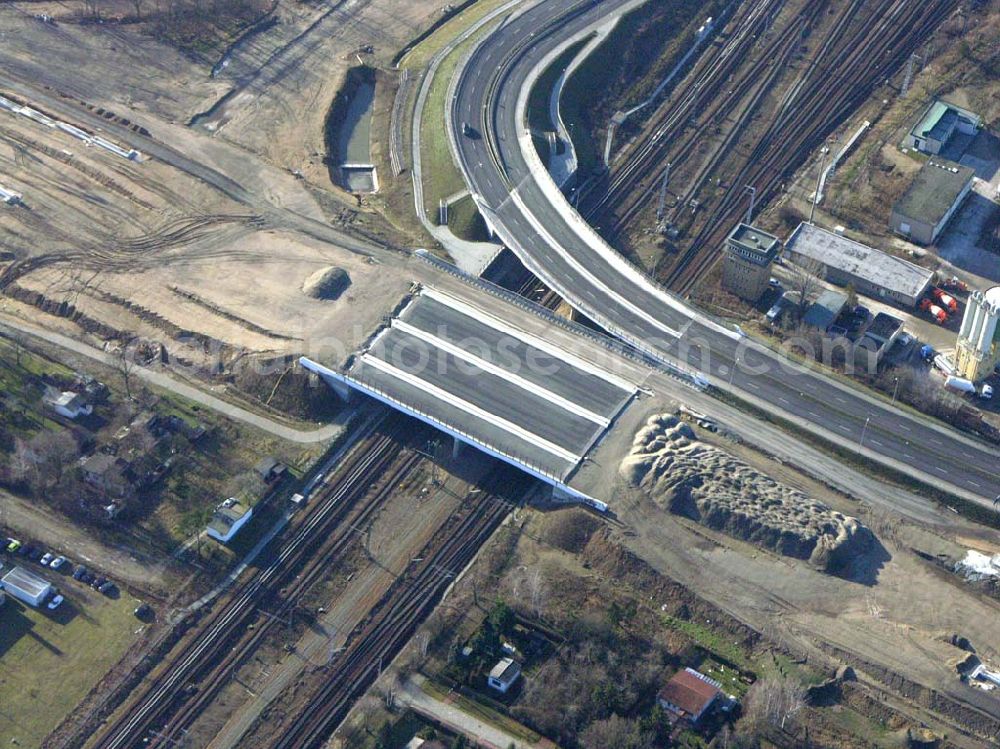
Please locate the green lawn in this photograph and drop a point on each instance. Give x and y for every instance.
(440, 175)
(421, 55)
(49, 663)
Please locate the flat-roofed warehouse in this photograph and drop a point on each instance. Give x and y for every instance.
(929, 203)
(475, 368)
(872, 272)
(26, 586)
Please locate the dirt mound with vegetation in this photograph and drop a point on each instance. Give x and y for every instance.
(327, 283)
(714, 488)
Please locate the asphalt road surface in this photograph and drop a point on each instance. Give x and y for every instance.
(553, 245)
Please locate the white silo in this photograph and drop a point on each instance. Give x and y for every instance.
(970, 315)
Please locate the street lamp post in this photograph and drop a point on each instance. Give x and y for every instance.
(895, 389)
(864, 430)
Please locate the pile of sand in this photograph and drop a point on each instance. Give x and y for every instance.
(716, 489)
(327, 283)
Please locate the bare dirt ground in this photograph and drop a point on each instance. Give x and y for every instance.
(137, 570)
(900, 620)
(157, 248)
(283, 86)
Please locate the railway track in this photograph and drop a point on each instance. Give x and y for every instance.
(697, 101)
(411, 599)
(172, 699)
(855, 58)
(866, 42)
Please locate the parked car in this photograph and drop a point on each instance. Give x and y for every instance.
(109, 589)
(98, 581)
(927, 352)
(56, 602)
(46, 559)
(28, 551)
(863, 312)
(774, 283)
(905, 340)
(986, 392)
(58, 562)
(79, 572)
(13, 545)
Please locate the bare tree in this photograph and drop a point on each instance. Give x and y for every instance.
(536, 588)
(775, 700)
(125, 364)
(806, 276)
(137, 4)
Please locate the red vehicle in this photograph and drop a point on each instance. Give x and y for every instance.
(953, 284)
(939, 315)
(946, 300)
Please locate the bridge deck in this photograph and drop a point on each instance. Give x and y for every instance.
(470, 368)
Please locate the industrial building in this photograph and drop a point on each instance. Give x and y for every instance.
(978, 350)
(938, 123)
(825, 310)
(747, 265)
(227, 519)
(872, 272)
(877, 340)
(931, 200)
(26, 586)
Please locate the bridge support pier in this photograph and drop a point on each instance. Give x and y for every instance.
(456, 447)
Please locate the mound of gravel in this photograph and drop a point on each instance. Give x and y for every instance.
(716, 489)
(327, 283)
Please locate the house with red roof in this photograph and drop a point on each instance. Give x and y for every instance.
(689, 695)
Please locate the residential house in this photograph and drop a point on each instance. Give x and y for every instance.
(504, 675)
(689, 695)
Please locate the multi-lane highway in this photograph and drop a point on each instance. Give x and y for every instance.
(529, 214)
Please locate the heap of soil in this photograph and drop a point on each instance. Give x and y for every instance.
(327, 283)
(714, 488)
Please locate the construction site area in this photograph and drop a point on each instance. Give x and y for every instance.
(306, 440)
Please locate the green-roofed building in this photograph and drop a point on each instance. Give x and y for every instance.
(931, 200)
(939, 122)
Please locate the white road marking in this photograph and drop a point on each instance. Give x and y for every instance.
(940, 470)
(486, 366)
(481, 413)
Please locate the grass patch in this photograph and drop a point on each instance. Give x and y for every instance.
(709, 639)
(480, 711)
(421, 55)
(440, 175)
(465, 221)
(49, 663)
